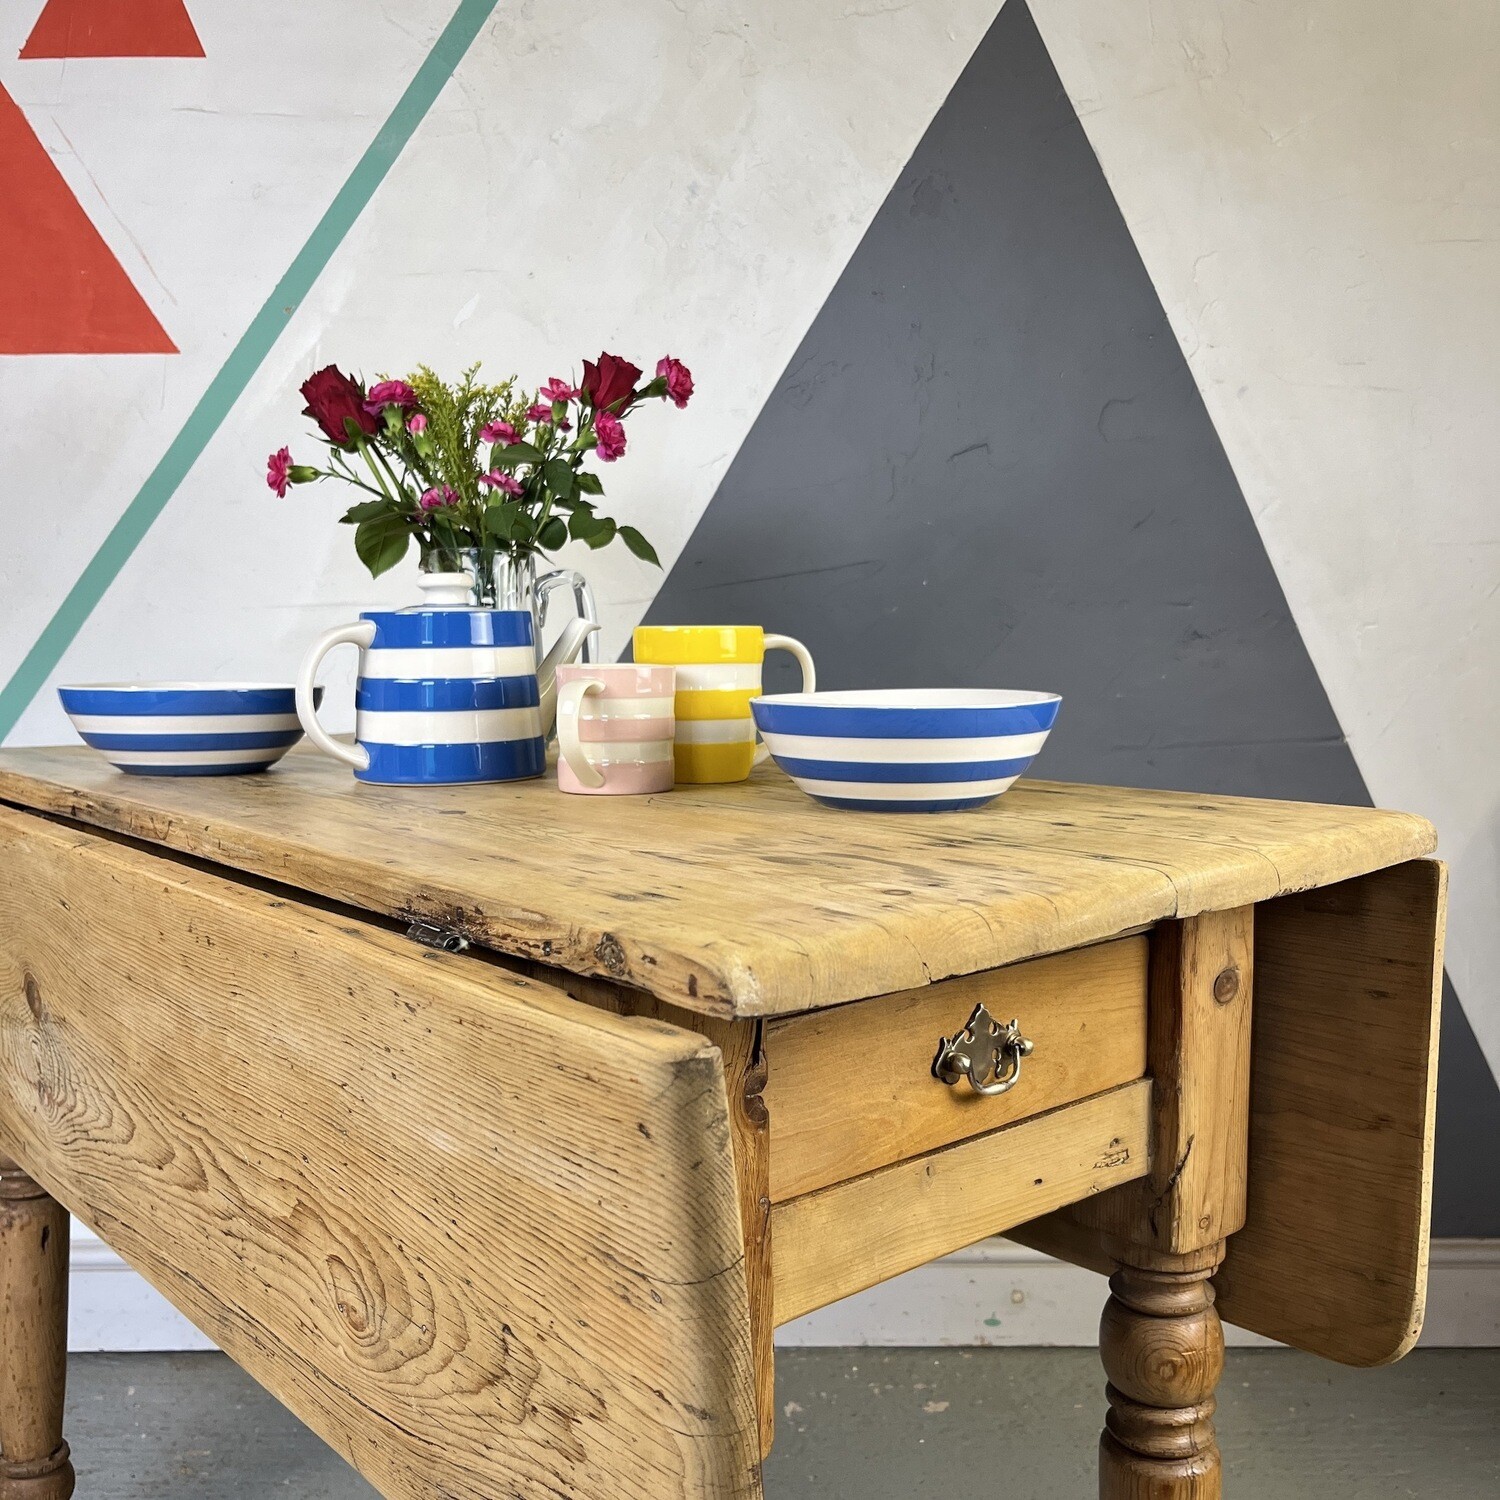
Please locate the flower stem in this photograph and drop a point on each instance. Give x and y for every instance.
(365, 451)
(385, 464)
(348, 478)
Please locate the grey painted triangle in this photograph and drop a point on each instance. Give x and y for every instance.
(988, 463)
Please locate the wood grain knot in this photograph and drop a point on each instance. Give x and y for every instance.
(1227, 984)
(351, 1298)
(611, 953)
(33, 995)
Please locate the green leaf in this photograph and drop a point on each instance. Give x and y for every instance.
(580, 524)
(553, 534)
(366, 510)
(382, 542)
(604, 533)
(589, 484)
(561, 479)
(517, 453)
(500, 519)
(639, 545)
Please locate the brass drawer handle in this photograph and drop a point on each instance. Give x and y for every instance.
(983, 1050)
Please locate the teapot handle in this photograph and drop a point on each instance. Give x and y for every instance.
(809, 678)
(583, 604)
(361, 635)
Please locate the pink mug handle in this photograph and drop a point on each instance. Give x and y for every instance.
(570, 698)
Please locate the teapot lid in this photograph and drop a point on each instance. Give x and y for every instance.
(444, 591)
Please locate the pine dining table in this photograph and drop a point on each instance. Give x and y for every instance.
(495, 1131)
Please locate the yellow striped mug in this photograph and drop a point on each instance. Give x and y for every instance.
(718, 673)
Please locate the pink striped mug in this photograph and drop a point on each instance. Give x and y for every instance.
(614, 728)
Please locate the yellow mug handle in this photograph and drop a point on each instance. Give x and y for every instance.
(809, 678)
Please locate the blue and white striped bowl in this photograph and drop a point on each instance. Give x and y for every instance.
(896, 750)
(185, 728)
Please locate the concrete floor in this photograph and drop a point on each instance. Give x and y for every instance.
(866, 1424)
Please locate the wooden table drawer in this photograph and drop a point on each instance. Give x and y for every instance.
(856, 1234)
(851, 1090)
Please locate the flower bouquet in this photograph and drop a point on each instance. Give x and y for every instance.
(470, 471)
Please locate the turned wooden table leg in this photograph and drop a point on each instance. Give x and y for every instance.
(1163, 1351)
(33, 1340)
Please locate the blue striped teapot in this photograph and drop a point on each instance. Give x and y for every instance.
(445, 695)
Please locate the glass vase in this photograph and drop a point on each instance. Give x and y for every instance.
(501, 579)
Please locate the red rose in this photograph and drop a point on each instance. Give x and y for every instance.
(334, 398)
(610, 385)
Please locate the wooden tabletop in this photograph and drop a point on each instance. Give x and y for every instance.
(748, 899)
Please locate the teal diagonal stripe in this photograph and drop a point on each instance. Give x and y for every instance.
(244, 360)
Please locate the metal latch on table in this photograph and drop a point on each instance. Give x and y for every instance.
(431, 935)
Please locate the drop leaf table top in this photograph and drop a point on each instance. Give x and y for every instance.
(747, 900)
(495, 1130)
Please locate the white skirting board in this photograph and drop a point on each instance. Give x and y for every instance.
(999, 1293)
(111, 1309)
(996, 1293)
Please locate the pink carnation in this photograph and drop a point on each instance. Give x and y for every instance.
(497, 432)
(278, 468)
(678, 377)
(435, 499)
(558, 390)
(389, 393)
(610, 431)
(498, 479)
(540, 412)
(416, 423)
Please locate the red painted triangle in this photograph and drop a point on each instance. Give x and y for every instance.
(62, 290)
(113, 28)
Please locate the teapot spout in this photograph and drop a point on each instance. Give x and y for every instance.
(565, 649)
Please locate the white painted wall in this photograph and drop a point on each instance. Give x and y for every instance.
(1314, 186)
(205, 176)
